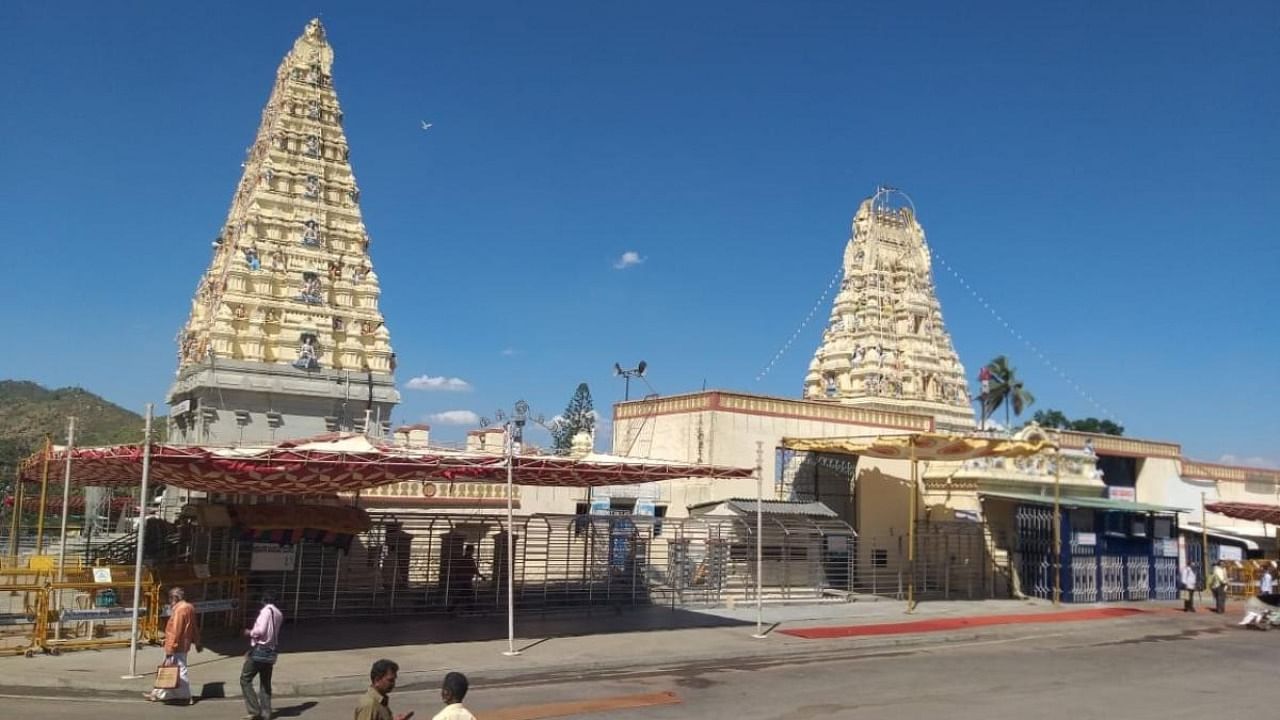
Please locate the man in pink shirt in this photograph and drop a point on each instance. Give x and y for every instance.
(260, 661)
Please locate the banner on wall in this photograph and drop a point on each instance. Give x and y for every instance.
(1127, 494)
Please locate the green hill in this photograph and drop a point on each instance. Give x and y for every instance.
(29, 412)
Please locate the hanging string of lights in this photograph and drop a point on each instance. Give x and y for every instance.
(1022, 338)
(803, 324)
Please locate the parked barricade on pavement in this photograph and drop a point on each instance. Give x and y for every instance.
(23, 595)
(92, 608)
(219, 600)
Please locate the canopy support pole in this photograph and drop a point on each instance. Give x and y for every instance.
(911, 530)
(760, 634)
(16, 520)
(44, 495)
(137, 558)
(1057, 529)
(511, 547)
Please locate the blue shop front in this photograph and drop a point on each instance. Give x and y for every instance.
(1111, 550)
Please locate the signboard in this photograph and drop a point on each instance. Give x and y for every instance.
(1165, 547)
(90, 614)
(204, 606)
(1162, 527)
(1122, 493)
(268, 557)
(42, 562)
(644, 507)
(600, 506)
(102, 575)
(1230, 552)
(180, 408)
(1086, 538)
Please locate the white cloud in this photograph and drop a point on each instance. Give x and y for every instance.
(629, 258)
(454, 417)
(430, 383)
(508, 352)
(1256, 461)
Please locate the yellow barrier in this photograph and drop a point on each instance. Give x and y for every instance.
(93, 609)
(1245, 576)
(17, 623)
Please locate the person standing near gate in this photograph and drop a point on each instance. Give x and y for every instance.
(1218, 584)
(181, 633)
(260, 661)
(1189, 585)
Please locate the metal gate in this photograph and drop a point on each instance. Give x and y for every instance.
(1034, 550)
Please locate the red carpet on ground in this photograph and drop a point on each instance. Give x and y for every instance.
(942, 624)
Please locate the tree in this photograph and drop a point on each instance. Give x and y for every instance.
(1005, 389)
(579, 416)
(1094, 425)
(1051, 419)
(1057, 420)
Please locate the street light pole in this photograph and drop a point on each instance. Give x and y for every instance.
(760, 634)
(515, 433)
(66, 499)
(911, 530)
(637, 371)
(1057, 529)
(1204, 543)
(137, 558)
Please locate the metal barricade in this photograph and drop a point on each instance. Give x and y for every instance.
(219, 600)
(92, 608)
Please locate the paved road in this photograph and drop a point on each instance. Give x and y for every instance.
(1168, 673)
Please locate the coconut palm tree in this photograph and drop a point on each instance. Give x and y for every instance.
(1005, 389)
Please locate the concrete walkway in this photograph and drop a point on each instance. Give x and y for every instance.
(321, 658)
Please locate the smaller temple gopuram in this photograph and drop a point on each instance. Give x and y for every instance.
(285, 338)
(885, 345)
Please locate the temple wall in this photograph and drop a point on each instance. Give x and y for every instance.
(730, 437)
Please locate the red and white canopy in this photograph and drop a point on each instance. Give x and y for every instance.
(1246, 511)
(349, 463)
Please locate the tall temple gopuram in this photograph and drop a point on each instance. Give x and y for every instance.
(885, 345)
(285, 338)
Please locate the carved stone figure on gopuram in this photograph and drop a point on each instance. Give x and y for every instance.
(885, 344)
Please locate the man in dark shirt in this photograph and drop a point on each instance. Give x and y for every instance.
(373, 705)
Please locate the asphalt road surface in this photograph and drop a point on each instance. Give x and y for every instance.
(1165, 674)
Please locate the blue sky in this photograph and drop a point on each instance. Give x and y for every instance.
(1106, 175)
